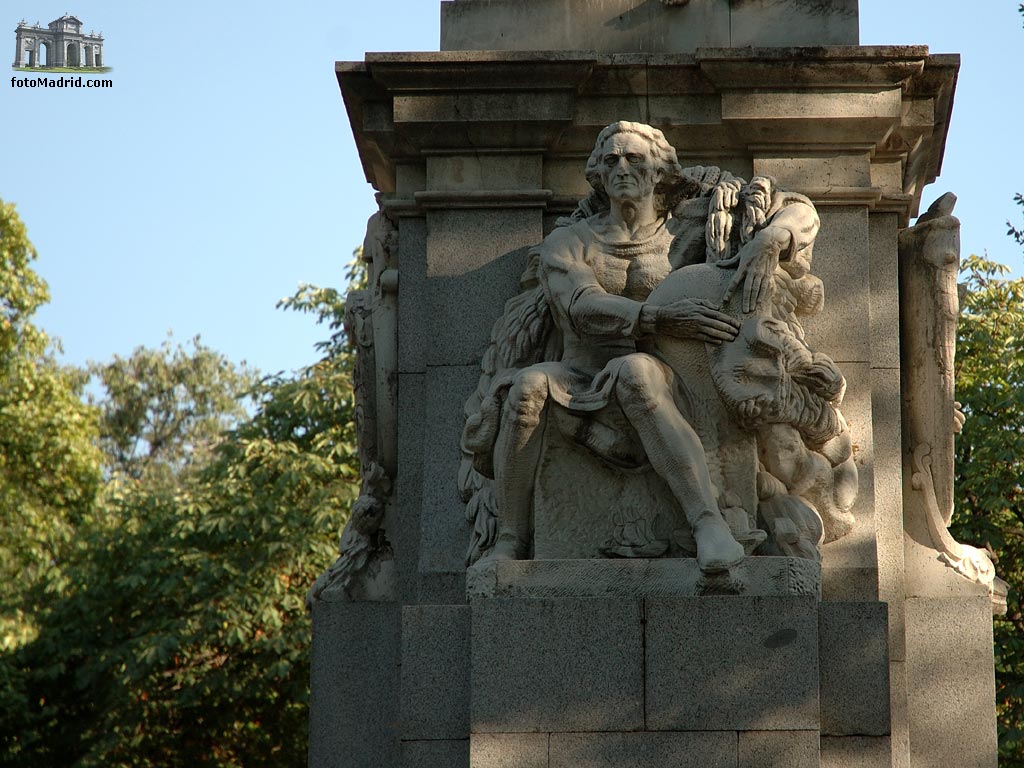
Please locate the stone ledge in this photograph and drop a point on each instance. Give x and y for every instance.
(668, 577)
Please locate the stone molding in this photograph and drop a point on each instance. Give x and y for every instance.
(737, 105)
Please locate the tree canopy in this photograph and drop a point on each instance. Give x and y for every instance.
(990, 464)
(164, 620)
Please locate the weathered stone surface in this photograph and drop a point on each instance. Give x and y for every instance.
(799, 169)
(778, 749)
(435, 754)
(413, 321)
(556, 665)
(470, 173)
(859, 752)
(854, 663)
(435, 675)
(732, 663)
(405, 537)
(615, 26)
(443, 528)
(667, 577)
(842, 261)
(950, 682)
(884, 281)
(474, 260)
(354, 684)
(900, 736)
(848, 583)
(508, 750)
(888, 493)
(643, 750)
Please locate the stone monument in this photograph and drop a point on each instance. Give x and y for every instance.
(654, 401)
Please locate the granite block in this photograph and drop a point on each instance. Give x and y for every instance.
(710, 749)
(508, 750)
(884, 279)
(772, 23)
(888, 491)
(841, 259)
(474, 261)
(434, 754)
(860, 752)
(435, 676)
(405, 536)
(732, 663)
(797, 171)
(854, 663)
(900, 736)
(556, 665)
(484, 171)
(353, 721)
(778, 749)
(950, 682)
(413, 328)
(444, 532)
(844, 584)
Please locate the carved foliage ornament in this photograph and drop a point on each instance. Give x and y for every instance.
(365, 566)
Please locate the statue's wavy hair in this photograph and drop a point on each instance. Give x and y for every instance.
(673, 185)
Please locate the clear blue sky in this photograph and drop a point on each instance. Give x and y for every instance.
(219, 172)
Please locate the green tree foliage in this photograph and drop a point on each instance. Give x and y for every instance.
(164, 409)
(174, 632)
(990, 464)
(49, 466)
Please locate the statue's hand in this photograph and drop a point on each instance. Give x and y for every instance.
(696, 319)
(959, 417)
(756, 269)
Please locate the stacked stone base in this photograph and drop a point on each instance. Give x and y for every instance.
(751, 681)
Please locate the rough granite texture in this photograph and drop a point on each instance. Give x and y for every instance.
(354, 681)
(778, 749)
(474, 260)
(950, 682)
(634, 25)
(444, 531)
(556, 665)
(435, 754)
(865, 752)
(409, 485)
(435, 676)
(508, 750)
(643, 750)
(732, 663)
(854, 663)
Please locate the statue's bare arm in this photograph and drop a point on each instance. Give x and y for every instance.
(785, 239)
(592, 311)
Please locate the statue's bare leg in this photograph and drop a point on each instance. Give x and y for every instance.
(677, 455)
(516, 458)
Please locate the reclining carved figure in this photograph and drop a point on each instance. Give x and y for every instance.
(659, 325)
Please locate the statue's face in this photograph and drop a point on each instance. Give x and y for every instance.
(628, 172)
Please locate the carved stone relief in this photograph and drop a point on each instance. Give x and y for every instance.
(649, 391)
(365, 568)
(929, 254)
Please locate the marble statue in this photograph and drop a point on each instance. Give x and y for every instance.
(658, 335)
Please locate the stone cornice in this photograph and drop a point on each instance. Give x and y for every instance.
(878, 104)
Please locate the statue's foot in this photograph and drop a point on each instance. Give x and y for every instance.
(717, 550)
(506, 547)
